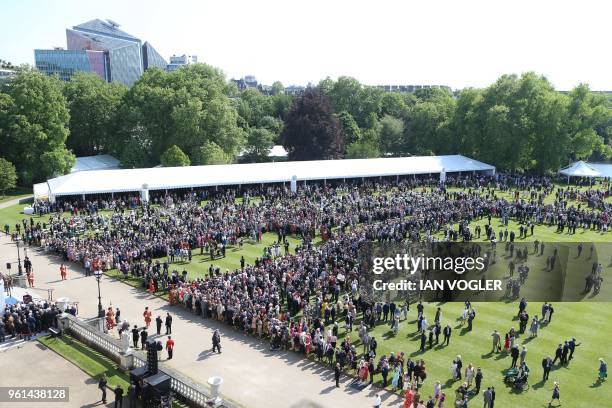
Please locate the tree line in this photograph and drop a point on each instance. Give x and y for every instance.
(194, 116)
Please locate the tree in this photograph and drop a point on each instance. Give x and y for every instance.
(347, 94)
(93, 105)
(429, 127)
(391, 136)
(8, 175)
(211, 153)
(259, 143)
(34, 122)
(272, 124)
(586, 121)
(366, 147)
(311, 129)
(174, 157)
(393, 104)
(188, 108)
(352, 132)
(277, 88)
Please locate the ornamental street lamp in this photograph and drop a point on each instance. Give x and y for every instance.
(98, 275)
(19, 268)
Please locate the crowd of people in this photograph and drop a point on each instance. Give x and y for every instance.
(296, 296)
(24, 320)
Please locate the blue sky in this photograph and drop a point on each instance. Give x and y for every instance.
(456, 43)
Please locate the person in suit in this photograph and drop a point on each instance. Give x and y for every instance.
(423, 340)
(471, 317)
(564, 353)
(514, 352)
(135, 336)
(478, 380)
(337, 372)
(158, 324)
(487, 397)
(558, 353)
(143, 336)
(572, 346)
(132, 395)
(492, 397)
(547, 364)
(102, 387)
(168, 323)
(447, 334)
(118, 396)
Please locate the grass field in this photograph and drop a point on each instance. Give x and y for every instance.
(90, 361)
(586, 321)
(17, 192)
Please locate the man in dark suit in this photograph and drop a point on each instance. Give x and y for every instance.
(158, 323)
(447, 334)
(337, 372)
(558, 353)
(168, 323)
(547, 364)
(564, 353)
(118, 396)
(423, 340)
(135, 336)
(572, 346)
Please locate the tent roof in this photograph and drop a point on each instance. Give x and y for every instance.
(603, 168)
(107, 181)
(580, 169)
(584, 169)
(99, 162)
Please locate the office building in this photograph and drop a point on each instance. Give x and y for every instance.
(410, 88)
(177, 61)
(102, 48)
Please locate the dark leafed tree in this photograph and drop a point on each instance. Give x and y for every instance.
(312, 131)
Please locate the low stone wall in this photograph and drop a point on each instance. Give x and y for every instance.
(91, 333)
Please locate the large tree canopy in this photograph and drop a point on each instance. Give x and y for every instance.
(188, 108)
(93, 104)
(312, 131)
(34, 126)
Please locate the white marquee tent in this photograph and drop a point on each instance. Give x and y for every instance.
(584, 169)
(166, 178)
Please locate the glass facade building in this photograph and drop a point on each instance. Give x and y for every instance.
(65, 63)
(100, 47)
(151, 58)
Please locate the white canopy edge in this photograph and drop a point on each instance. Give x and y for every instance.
(584, 169)
(161, 178)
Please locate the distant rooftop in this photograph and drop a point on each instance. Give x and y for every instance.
(109, 28)
(99, 162)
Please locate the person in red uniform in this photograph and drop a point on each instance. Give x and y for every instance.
(147, 317)
(63, 271)
(169, 347)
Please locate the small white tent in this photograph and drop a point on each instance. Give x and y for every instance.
(580, 169)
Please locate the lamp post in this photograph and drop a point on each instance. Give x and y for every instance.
(98, 275)
(19, 268)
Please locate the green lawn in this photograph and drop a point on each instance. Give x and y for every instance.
(92, 362)
(585, 321)
(17, 192)
(14, 215)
